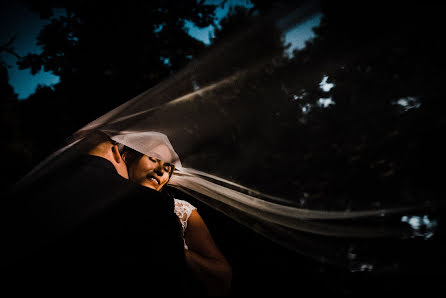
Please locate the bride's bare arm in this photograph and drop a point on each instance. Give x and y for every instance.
(205, 259)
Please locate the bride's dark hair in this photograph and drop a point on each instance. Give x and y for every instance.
(132, 155)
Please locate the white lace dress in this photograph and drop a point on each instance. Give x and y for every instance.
(183, 210)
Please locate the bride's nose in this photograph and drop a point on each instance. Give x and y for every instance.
(159, 169)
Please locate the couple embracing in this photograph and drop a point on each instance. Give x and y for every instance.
(105, 220)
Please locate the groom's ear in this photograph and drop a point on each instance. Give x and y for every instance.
(116, 154)
(119, 163)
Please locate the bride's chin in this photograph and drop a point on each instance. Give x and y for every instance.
(150, 185)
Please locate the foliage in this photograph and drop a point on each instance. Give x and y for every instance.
(104, 54)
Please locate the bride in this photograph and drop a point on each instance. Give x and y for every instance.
(154, 171)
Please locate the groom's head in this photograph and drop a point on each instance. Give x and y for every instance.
(100, 144)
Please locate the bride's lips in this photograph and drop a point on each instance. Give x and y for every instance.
(153, 178)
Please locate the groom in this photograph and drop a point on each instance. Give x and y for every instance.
(86, 225)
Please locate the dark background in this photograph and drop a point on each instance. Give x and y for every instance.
(366, 145)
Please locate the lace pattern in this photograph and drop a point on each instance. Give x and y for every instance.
(183, 210)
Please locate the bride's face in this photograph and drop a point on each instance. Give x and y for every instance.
(150, 172)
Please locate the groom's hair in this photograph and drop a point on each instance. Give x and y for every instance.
(132, 155)
(94, 139)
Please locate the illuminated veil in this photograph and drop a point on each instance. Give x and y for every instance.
(235, 123)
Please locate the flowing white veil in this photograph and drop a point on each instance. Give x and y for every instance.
(235, 126)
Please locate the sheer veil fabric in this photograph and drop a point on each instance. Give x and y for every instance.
(228, 122)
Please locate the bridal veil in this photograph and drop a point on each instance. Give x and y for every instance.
(248, 128)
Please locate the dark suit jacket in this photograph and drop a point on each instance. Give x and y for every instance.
(85, 226)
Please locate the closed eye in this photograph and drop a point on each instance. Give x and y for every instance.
(167, 166)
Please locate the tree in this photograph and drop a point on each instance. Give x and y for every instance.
(17, 158)
(104, 56)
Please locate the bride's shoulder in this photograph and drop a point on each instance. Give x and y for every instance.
(182, 204)
(183, 209)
